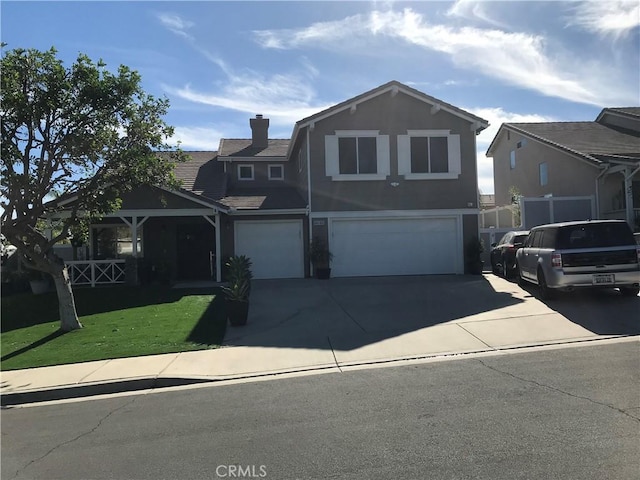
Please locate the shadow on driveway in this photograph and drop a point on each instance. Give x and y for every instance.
(601, 311)
(310, 313)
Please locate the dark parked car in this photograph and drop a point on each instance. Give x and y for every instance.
(564, 256)
(503, 253)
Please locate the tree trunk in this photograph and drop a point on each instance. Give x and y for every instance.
(66, 304)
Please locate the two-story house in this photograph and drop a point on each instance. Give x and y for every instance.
(387, 179)
(598, 158)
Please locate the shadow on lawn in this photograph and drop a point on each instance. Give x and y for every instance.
(37, 343)
(212, 326)
(21, 311)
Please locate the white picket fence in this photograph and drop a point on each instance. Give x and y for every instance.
(96, 272)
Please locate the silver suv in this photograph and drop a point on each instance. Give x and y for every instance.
(564, 256)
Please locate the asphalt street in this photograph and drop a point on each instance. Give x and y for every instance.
(566, 413)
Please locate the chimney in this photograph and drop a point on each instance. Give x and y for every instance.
(259, 131)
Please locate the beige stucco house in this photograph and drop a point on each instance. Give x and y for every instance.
(561, 159)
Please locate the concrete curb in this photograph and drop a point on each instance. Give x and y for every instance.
(90, 390)
(149, 383)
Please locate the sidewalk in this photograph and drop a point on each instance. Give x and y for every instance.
(316, 331)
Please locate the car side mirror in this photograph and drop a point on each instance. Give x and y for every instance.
(493, 244)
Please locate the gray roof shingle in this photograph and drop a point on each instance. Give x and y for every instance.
(585, 138)
(278, 198)
(203, 175)
(632, 111)
(243, 148)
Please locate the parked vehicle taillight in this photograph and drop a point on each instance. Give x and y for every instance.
(556, 260)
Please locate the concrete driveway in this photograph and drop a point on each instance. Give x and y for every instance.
(362, 320)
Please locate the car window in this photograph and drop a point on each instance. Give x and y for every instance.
(549, 239)
(537, 240)
(529, 240)
(595, 235)
(504, 239)
(519, 238)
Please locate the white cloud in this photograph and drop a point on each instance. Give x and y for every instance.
(284, 98)
(615, 18)
(516, 58)
(496, 117)
(176, 24)
(196, 138)
(473, 10)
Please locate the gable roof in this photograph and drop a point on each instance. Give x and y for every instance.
(394, 87)
(633, 112)
(231, 148)
(590, 141)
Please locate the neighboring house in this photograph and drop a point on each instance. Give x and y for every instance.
(387, 179)
(562, 159)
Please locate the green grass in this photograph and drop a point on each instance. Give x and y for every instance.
(118, 322)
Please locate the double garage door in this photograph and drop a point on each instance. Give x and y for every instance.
(275, 247)
(397, 246)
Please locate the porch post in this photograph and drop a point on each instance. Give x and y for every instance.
(216, 225)
(218, 248)
(628, 191)
(134, 236)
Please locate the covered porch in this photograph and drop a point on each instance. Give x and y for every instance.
(157, 236)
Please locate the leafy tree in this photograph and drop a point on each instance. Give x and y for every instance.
(81, 134)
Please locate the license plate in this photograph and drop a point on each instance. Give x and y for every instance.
(603, 279)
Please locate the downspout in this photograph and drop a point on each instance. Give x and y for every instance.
(309, 220)
(600, 175)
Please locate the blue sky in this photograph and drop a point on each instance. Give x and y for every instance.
(220, 63)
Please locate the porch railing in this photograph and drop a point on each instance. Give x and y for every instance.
(96, 272)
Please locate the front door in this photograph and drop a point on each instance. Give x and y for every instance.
(195, 248)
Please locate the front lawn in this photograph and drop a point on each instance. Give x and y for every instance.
(118, 322)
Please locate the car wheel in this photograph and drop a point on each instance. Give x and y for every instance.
(544, 292)
(494, 269)
(504, 270)
(630, 291)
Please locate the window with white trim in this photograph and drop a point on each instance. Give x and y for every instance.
(512, 159)
(276, 172)
(357, 155)
(245, 172)
(429, 154)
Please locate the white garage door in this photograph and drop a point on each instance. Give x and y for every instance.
(395, 247)
(275, 247)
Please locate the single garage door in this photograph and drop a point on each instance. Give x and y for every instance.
(275, 247)
(408, 246)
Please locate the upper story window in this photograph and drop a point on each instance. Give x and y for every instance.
(512, 159)
(245, 172)
(300, 158)
(276, 172)
(429, 154)
(357, 155)
(544, 174)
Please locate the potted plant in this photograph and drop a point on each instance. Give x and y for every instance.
(473, 252)
(238, 289)
(237, 301)
(320, 257)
